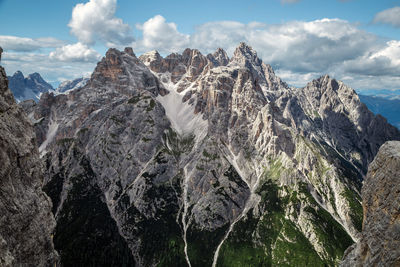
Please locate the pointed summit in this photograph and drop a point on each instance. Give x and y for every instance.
(245, 55)
(18, 74)
(129, 51)
(326, 82)
(219, 57)
(151, 58)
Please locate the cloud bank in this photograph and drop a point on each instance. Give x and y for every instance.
(22, 44)
(75, 52)
(298, 50)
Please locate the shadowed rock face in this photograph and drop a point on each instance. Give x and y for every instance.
(380, 238)
(205, 159)
(26, 222)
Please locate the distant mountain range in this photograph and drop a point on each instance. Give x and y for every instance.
(389, 107)
(383, 93)
(32, 86)
(71, 85)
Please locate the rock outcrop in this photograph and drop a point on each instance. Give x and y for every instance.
(204, 161)
(26, 222)
(380, 238)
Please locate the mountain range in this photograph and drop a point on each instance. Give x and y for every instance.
(33, 86)
(388, 106)
(30, 87)
(384, 102)
(194, 160)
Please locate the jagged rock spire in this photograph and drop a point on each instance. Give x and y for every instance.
(219, 57)
(245, 55)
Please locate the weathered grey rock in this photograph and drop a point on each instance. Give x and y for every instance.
(190, 156)
(380, 238)
(26, 222)
(219, 57)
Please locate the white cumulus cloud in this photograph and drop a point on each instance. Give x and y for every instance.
(161, 35)
(95, 20)
(24, 44)
(75, 52)
(298, 46)
(384, 61)
(389, 16)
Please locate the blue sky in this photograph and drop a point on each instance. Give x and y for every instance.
(356, 41)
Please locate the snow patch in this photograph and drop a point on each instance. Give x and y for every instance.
(181, 115)
(51, 132)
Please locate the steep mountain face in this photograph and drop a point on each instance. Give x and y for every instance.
(26, 222)
(71, 85)
(30, 87)
(387, 107)
(380, 237)
(204, 160)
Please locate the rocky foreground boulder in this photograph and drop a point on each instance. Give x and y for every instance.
(379, 244)
(26, 221)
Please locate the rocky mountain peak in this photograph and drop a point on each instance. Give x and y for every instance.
(219, 57)
(326, 81)
(18, 75)
(36, 80)
(35, 76)
(245, 55)
(112, 65)
(129, 51)
(77, 83)
(330, 91)
(30, 87)
(151, 57)
(122, 71)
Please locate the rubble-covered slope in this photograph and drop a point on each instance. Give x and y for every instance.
(26, 222)
(205, 160)
(380, 236)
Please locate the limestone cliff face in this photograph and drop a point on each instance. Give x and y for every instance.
(380, 238)
(26, 221)
(204, 161)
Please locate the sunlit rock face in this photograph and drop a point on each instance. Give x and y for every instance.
(205, 160)
(380, 236)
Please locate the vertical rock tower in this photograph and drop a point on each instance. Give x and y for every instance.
(26, 221)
